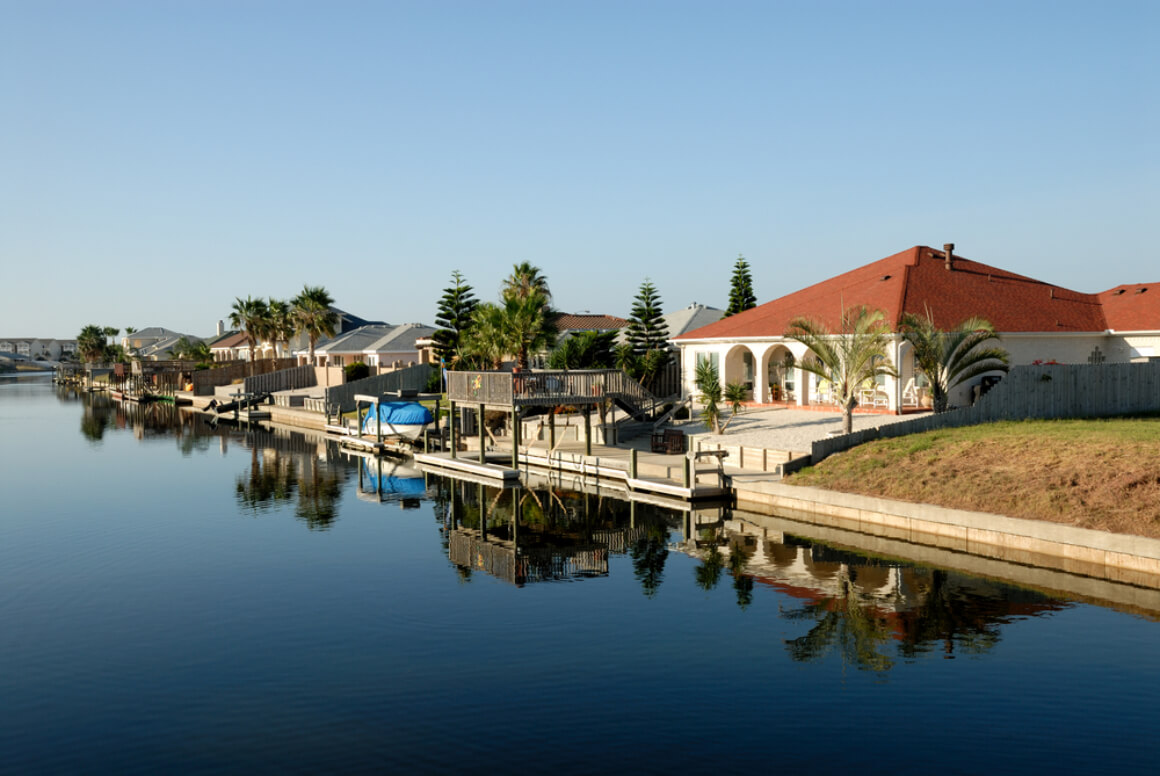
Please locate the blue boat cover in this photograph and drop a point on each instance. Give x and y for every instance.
(400, 413)
(402, 486)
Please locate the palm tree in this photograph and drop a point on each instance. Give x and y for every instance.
(849, 358)
(250, 315)
(487, 341)
(312, 315)
(530, 325)
(91, 343)
(708, 382)
(527, 305)
(280, 324)
(524, 281)
(948, 358)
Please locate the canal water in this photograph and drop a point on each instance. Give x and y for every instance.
(178, 597)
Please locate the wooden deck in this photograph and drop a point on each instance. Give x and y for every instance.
(655, 474)
(547, 388)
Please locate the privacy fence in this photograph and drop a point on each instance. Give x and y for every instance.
(283, 380)
(205, 380)
(1047, 391)
(413, 378)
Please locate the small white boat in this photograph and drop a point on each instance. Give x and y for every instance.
(405, 419)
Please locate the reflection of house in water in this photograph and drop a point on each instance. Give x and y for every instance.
(859, 603)
(526, 535)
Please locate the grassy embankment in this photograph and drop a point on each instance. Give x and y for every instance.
(1101, 474)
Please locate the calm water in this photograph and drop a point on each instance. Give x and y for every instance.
(176, 597)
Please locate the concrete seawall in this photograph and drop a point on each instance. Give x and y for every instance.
(1121, 558)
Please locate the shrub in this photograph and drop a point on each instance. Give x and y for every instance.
(356, 371)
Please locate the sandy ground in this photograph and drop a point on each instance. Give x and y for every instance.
(777, 428)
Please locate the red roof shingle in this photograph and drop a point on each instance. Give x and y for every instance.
(917, 280)
(588, 322)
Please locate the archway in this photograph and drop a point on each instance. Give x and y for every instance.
(781, 378)
(740, 367)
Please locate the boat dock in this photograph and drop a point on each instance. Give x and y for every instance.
(687, 477)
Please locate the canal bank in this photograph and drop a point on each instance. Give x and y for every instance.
(1121, 558)
(1097, 554)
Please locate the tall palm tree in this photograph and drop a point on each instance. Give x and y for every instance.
(281, 324)
(525, 280)
(948, 358)
(312, 315)
(91, 343)
(250, 315)
(488, 340)
(849, 358)
(530, 325)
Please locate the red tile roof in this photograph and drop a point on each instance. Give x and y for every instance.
(588, 322)
(917, 279)
(1132, 308)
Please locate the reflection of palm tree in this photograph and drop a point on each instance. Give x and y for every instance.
(844, 623)
(649, 554)
(742, 582)
(708, 574)
(318, 496)
(956, 618)
(269, 481)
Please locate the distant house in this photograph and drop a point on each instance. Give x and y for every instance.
(692, 317)
(148, 337)
(1038, 322)
(569, 324)
(38, 348)
(377, 345)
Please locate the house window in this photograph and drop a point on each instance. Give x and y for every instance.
(712, 358)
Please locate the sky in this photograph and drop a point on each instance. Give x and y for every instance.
(160, 159)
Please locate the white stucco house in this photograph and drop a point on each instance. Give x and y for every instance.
(1037, 322)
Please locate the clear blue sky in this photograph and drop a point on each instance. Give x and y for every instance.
(158, 159)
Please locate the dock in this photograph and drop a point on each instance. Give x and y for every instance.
(688, 477)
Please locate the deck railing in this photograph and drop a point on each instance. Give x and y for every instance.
(548, 387)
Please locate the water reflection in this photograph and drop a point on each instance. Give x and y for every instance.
(866, 611)
(288, 467)
(526, 535)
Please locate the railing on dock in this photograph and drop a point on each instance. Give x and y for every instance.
(548, 388)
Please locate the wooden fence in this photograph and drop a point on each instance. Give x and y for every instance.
(413, 378)
(283, 380)
(1046, 391)
(205, 380)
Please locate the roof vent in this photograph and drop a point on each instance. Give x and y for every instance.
(1120, 291)
(1141, 290)
(949, 255)
(885, 277)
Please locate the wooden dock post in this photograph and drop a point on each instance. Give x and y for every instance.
(551, 431)
(632, 463)
(451, 429)
(515, 438)
(587, 431)
(482, 437)
(482, 511)
(688, 474)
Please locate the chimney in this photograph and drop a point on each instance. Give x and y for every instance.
(221, 328)
(949, 253)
